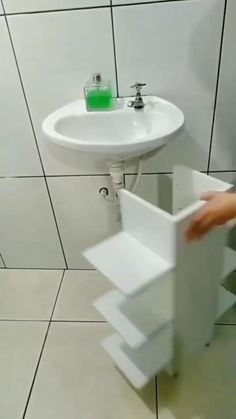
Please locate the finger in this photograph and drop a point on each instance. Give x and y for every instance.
(208, 196)
(197, 226)
(205, 227)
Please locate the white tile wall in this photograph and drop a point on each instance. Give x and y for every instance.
(1, 9)
(224, 142)
(62, 51)
(171, 47)
(18, 155)
(12, 6)
(83, 218)
(28, 236)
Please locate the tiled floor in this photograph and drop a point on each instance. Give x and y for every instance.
(53, 367)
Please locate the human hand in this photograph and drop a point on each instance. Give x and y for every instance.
(219, 209)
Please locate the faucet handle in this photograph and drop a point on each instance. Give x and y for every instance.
(138, 86)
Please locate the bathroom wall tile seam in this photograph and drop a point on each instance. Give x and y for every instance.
(156, 397)
(217, 86)
(35, 139)
(97, 175)
(88, 7)
(114, 49)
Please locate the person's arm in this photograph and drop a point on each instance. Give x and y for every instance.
(219, 209)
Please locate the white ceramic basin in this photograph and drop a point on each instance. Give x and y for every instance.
(118, 134)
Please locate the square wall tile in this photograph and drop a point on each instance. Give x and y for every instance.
(61, 53)
(171, 47)
(206, 388)
(83, 218)
(19, 156)
(16, 6)
(78, 292)
(28, 235)
(21, 344)
(1, 9)
(28, 294)
(223, 156)
(77, 379)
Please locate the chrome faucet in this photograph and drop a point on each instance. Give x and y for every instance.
(138, 103)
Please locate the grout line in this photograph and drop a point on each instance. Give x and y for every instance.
(147, 2)
(69, 9)
(114, 49)
(50, 269)
(225, 324)
(56, 223)
(52, 176)
(3, 262)
(217, 87)
(107, 174)
(52, 321)
(80, 321)
(35, 138)
(23, 321)
(156, 393)
(42, 349)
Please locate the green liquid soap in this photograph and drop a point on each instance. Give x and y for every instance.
(99, 99)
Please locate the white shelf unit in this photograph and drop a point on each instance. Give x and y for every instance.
(168, 292)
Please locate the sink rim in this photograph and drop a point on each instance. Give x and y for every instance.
(144, 144)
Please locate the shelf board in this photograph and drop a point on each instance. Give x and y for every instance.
(129, 264)
(141, 365)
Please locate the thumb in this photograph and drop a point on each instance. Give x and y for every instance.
(208, 196)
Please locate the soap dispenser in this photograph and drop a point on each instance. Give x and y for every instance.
(98, 94)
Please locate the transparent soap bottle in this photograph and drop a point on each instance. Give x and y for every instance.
(98, 93)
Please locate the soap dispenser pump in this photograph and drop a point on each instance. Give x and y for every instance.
(98, 95)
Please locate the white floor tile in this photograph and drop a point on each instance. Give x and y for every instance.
(28, 294)
(20, 347)
(78, 292)
(206, 389)
(78, 380)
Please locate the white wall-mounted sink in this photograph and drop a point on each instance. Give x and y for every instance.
(118, 134)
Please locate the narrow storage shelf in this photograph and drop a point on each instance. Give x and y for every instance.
(129, 264)
(137, 318)
(140, 365)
